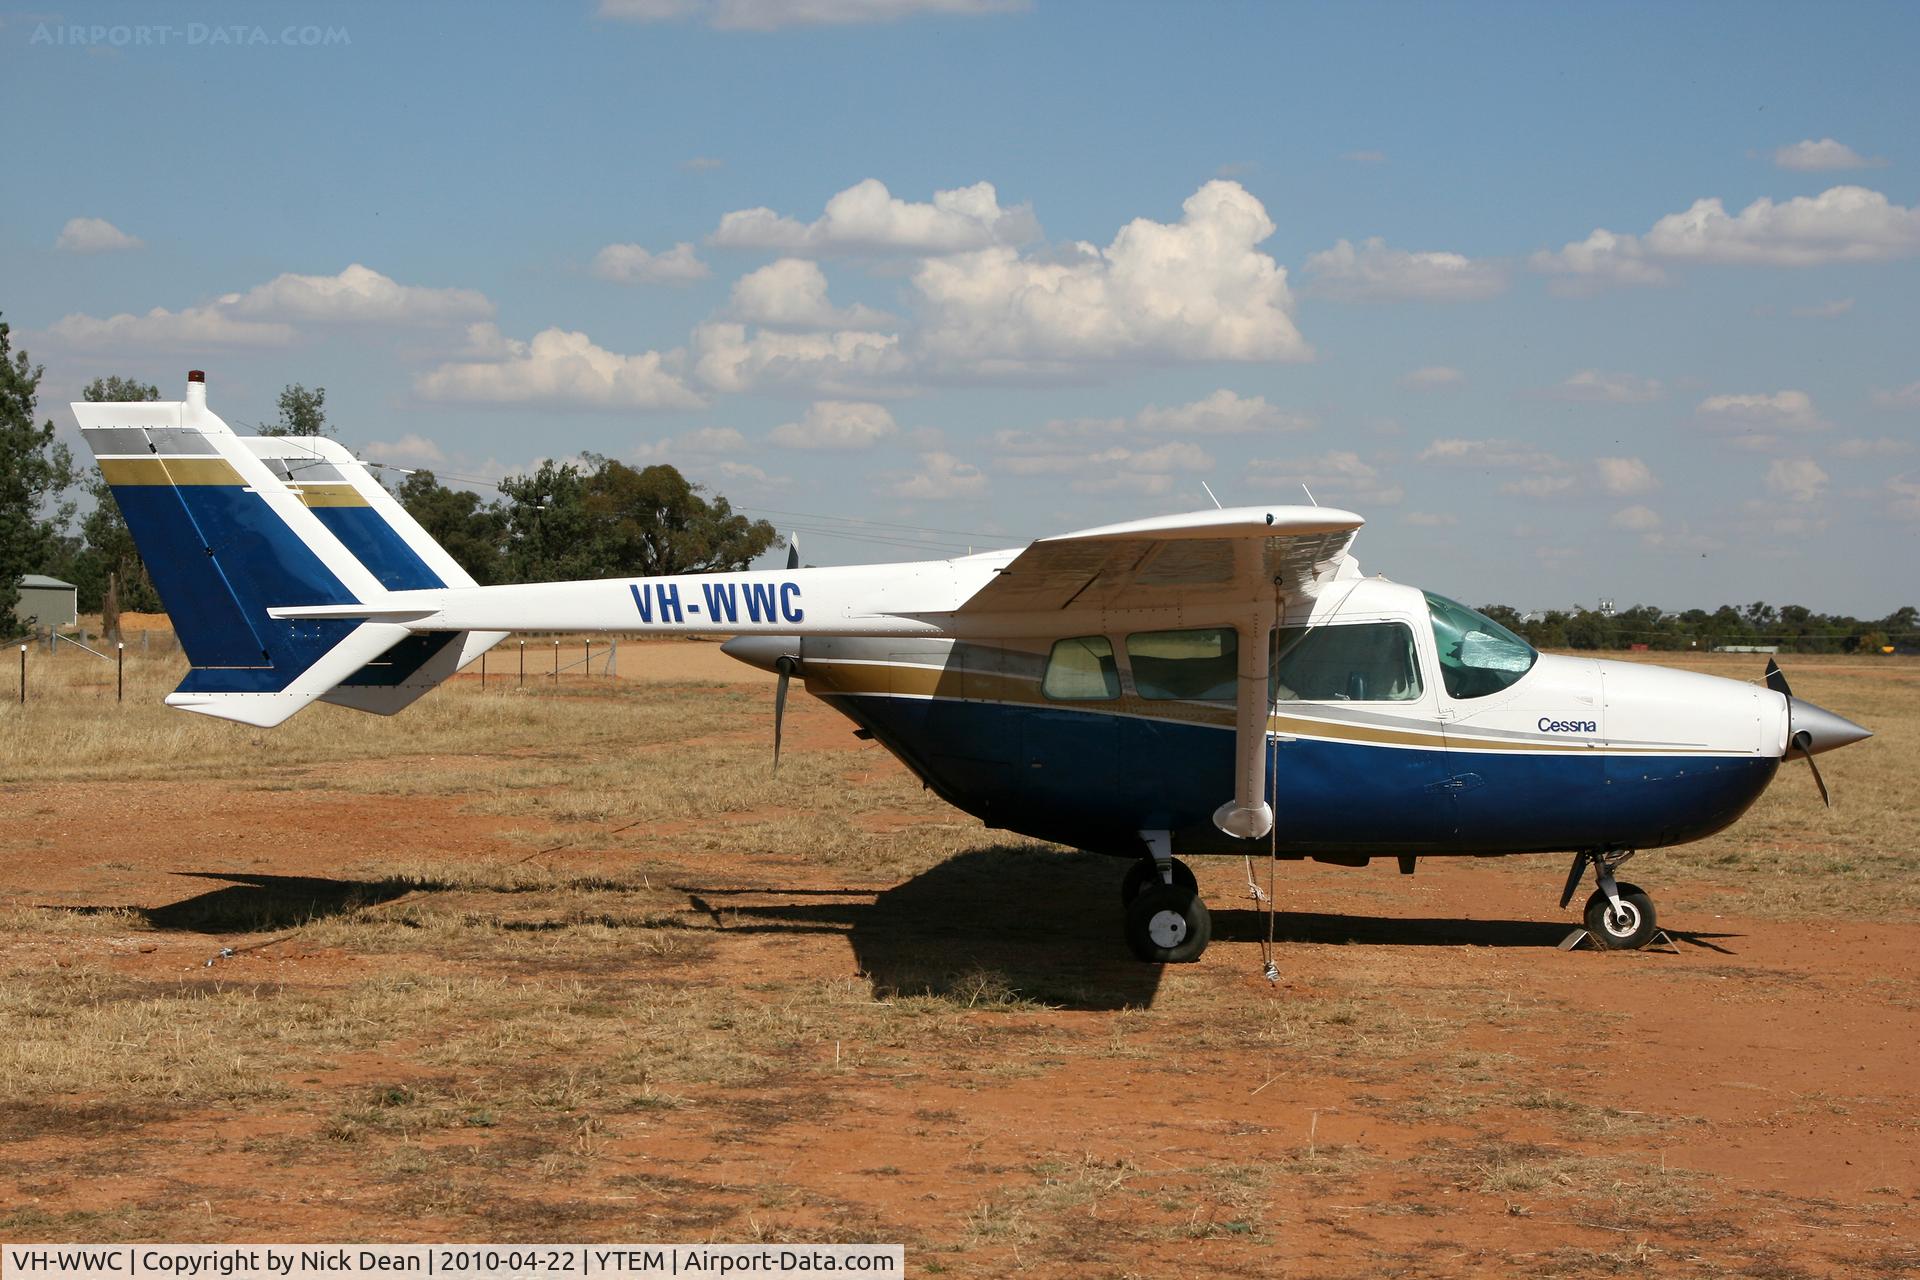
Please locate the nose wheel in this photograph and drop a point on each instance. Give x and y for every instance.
(1619, 917)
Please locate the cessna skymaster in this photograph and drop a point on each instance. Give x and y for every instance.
(1224, 682)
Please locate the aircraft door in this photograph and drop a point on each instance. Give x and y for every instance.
(1358, 764)
(962, 746)
(1068, 742)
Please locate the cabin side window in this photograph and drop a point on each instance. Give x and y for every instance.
(1478, 656)
(1352, 662)
(1187, 666)
(1081, 669)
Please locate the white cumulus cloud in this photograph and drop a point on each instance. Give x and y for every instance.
(360, 295)
(1636, 519)
(1594, 386)
(1811, 157)
(94, 235)
(1842, 224)
(1602, 260)
(698, 442)
(1491, 455)
(1538, 486)
(1625, 477)
(634, 264)
(1775, 411)
(1904, 497)
(941, 478)
(411, 449)
(563, 369)
(1796, 479)
(867, 218)
(792, 294)
(1223, 413)
(1339, 474)
(836, 424)
(1374, 272)
(1433, 377)
(171, 330)
(1197, 289)
(845, 362)
(1907, 397)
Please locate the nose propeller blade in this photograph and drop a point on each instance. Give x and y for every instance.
(785, 667)
(1800, 744)
(1777, 679)
(793, 551)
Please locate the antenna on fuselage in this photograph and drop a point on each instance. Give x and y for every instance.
(1209, 489)
(1310, 498)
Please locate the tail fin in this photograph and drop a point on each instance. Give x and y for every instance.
(225, 541)
(357, 509)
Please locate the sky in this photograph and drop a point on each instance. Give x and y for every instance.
(1572, 303)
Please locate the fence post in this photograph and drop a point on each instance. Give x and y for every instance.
(613, 657)
(483, 671)
(556, 662)
(23, 675)
(120, 671)
(586, 662)
(523, 664)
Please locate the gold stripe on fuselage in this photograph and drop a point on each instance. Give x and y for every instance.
(871, 679)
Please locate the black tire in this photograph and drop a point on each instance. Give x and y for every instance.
(1168, 925)
(1143, 873)
(1630, 934)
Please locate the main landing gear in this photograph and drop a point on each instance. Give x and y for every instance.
(1619, 917)
(1166, 921)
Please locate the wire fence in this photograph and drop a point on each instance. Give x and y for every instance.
(81, 662)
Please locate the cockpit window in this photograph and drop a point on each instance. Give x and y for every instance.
(1188, 666)
(1478, 656)
(1351, 662)
(1081, 670)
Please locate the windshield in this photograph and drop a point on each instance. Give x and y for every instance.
(1478, 656)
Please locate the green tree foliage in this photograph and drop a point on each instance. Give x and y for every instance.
(107, 567)
(473, 533)
(35, 473)
(1792, 628)
(606, 519)
(302, 413)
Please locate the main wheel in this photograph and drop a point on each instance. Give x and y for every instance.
(1143, 873)
(1168, 924)
(1629, 929)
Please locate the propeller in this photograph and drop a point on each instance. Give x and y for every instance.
(793, 551)
(784, 665)
(1812, 729)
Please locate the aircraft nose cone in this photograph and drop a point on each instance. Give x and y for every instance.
(765, 652)
(1823, 730)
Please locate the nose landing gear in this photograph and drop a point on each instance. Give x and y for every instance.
(1619, 917)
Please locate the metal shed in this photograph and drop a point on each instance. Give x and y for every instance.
(47, 602)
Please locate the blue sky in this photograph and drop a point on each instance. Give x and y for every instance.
(1449, 266)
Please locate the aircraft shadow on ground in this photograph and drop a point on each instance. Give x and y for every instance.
(252, 903)
(982, 925)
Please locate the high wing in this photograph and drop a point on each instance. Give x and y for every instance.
(1237, 566)
(1169, 560)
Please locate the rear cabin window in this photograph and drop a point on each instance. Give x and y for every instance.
(1353, 662)
(1187, 666)
(1081, 670)
(1478, 656)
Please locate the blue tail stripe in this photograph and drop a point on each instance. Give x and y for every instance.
(379, 546)
(220, 558)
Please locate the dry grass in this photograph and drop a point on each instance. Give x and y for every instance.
(662, 988)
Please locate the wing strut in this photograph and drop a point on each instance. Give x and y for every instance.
(1248, 816)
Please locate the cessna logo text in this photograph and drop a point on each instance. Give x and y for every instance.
(1567, 726)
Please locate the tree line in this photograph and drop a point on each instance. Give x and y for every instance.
(599, 518)
(595, 518)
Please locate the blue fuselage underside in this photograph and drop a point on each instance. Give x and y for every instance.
(1096, 781)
